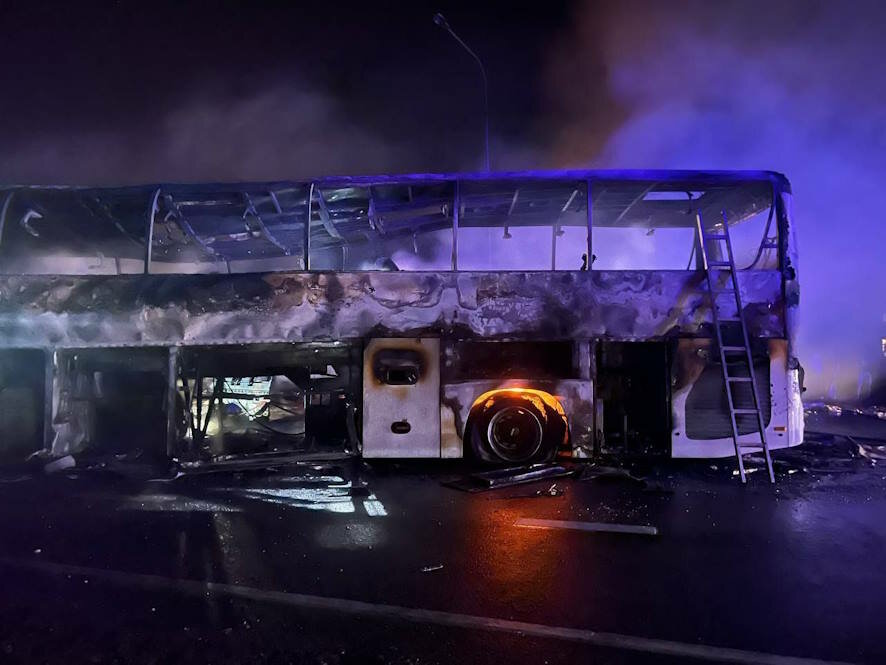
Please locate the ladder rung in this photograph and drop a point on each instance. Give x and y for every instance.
(715, 236)
(718, 292)
(770, 245)
(728, 319)
(719, 264)
(743, 412)
(739, 379)
(733, 348)
(755, 446)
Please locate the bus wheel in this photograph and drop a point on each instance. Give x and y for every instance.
(511, 431)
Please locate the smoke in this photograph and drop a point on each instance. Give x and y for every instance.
(796, 87)
(790, 85)
(282, 132)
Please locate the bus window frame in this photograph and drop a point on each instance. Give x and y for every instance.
(781, 223)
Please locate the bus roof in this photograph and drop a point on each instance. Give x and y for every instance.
(661, 175)
(249, 220)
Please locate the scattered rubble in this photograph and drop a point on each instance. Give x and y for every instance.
(60, 464)
(553, 490)
(253, 461)
(870, 450)
(508, 477)
(595, 472)
(637, 529)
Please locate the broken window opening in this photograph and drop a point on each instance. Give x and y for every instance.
(386, 228)
(504, 224)
(268, 399)
(110, 402)
(651, 226)
(525, 225)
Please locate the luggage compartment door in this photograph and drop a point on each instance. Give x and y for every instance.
(401, 398)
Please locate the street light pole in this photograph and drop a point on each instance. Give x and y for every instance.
(441, 21)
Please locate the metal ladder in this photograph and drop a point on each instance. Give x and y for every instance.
(712, 269)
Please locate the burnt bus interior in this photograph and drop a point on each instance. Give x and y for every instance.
(268, 398)
(239, 382)
(633, 396)
(509, 224)
(110, 402)
(633, 407)
(22, 388)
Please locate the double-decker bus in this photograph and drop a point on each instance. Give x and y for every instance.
(508, 317)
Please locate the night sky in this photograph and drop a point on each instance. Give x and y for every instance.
(382, 70)
(132, 92)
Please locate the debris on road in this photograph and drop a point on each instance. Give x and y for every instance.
(488, 480)
(638, 529)
(60, 464)
(431, 569)
(594, 472)
(553, 490)
(870, 450)
(823, 454)
(255, 462)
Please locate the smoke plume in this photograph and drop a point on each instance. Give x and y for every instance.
(796, 87)
(790, 85)
(282, 132)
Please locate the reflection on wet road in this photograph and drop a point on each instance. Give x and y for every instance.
(785, 570)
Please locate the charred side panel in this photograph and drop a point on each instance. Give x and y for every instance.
(483, 359)
(701, 426)
(153, 310)
(109, 401)
(401, 398)
(22, 395)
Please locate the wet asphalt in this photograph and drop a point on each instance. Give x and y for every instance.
(795, 569)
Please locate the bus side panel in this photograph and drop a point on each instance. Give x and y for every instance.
(193, 310)
(401, 410)
(697, 374)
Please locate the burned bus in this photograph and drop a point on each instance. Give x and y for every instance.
(506, 317)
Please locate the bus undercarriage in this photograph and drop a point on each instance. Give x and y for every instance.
(498, 401)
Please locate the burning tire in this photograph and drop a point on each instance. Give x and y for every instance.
(515, 427)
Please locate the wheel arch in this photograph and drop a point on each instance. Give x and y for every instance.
(548, 406)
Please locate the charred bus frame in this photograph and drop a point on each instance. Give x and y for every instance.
(461, 345)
